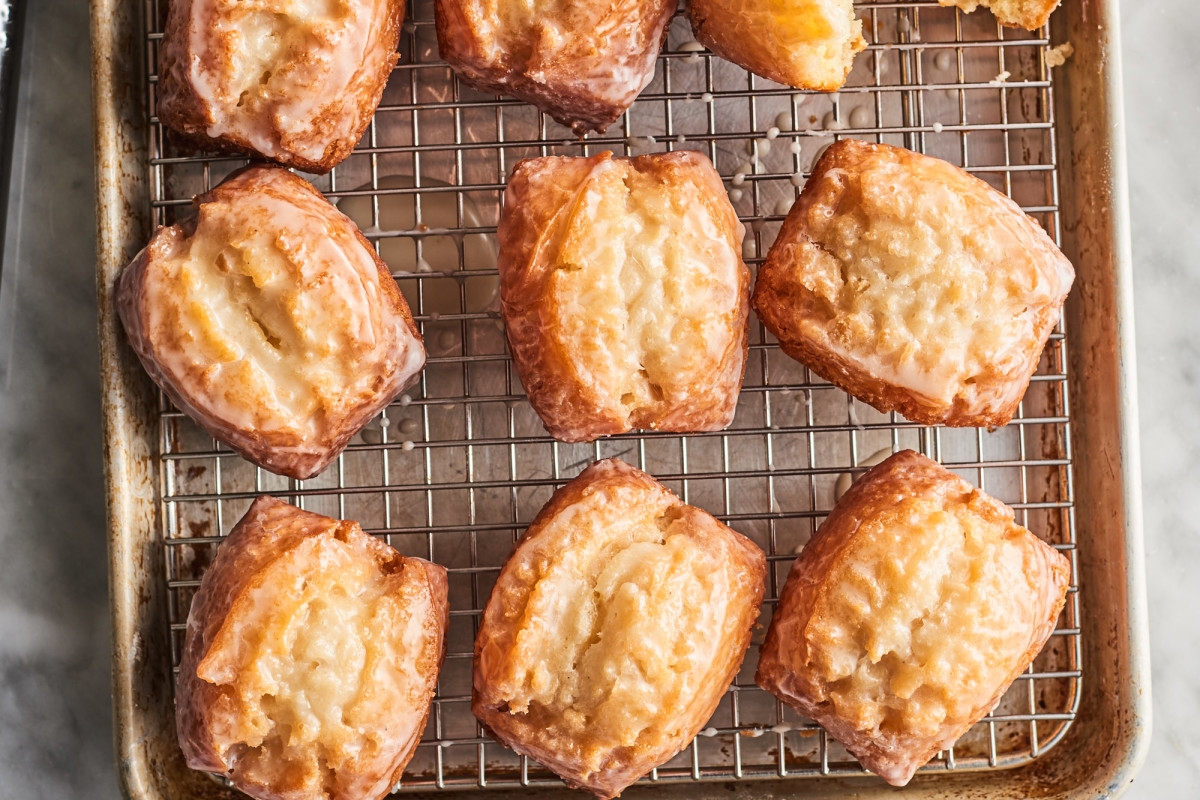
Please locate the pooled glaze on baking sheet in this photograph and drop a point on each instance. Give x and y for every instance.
(269, 319)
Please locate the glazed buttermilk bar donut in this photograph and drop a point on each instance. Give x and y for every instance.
(913, 286)
(268, 318)
(582, 62)
(286, 80)
(1027, 14)
(614, 628)
(311, 657)
(808, 44)
(909, 613)
(625, 298)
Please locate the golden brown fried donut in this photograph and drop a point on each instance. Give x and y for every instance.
(909, 613)
(808, 44)
(582, 63)
(913, 286)
(624, 294)
(286, 80)
(614, 628)
(1027, 14)
(311, 656)
(269, 319)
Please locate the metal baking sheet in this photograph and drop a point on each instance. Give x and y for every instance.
(456, 467)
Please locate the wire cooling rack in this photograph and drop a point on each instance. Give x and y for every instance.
(455, 469)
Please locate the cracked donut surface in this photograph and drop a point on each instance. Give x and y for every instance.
(909, 613)
(268, 318)
(614, 628)
(311, 657)
(293, 81)
(624, 294)
(913, 285)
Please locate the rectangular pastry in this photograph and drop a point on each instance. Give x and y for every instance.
(311, 657)
(808, 44)
(614, 629)
(582, 63)
(285, 80)
(909, 613)
(269, 319)
(1027, 14)
(624, 295)
(913, 286)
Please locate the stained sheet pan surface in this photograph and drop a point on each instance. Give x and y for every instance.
(457, 465)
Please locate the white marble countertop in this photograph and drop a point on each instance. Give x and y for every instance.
(55, 720)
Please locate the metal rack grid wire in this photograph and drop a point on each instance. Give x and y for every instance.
(455, 468)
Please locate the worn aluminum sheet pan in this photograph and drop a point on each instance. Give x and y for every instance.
(458, 464)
